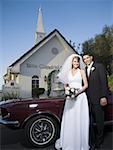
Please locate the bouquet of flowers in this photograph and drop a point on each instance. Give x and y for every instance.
(71, 92)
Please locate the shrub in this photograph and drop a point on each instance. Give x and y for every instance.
(37, 91)
(8, 96)
(110, 82)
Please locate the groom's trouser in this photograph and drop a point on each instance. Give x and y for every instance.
(97, 116)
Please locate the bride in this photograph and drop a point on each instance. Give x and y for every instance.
(74, 134)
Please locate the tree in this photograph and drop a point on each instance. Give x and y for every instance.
(101, 46)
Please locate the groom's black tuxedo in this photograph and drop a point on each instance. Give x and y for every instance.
(97, 89)
(97, 83)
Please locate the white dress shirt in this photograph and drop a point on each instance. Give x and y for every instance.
(89, 68)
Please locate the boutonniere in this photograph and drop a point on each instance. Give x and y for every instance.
(92, 68)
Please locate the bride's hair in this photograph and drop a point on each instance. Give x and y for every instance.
(78, 59)
(64, 70)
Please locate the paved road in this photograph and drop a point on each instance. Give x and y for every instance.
(14, 140)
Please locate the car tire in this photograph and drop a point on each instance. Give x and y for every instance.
(41, 131)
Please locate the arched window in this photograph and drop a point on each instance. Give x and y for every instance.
(35, 82)
(56, 88)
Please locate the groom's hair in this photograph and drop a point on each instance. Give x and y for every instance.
(87, 53)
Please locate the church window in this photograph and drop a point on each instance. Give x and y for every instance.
(54, 50)
(35, 82)
(12, 84)
(35, 85)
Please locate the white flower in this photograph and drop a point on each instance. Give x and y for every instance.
(72, 89)
(72, 96)
(76, 90)
(92, 68)
(68, 97)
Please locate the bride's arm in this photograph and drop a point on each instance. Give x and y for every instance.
(85, 82)
(65, 86)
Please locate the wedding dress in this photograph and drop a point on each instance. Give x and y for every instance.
(75, 120)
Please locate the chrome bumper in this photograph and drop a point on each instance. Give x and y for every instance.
(8, 122)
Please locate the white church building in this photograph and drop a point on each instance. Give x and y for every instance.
(38, 67)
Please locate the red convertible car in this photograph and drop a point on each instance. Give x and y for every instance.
(40, 118)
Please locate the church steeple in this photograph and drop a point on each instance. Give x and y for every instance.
(40, 34)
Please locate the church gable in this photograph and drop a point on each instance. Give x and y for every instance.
(42, 56)
(52, 36)
(52, 52)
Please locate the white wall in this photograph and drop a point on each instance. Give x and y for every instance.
(25, 86)
(42, 56)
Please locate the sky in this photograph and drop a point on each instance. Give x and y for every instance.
(77, 20)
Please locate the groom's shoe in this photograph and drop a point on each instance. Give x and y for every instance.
(92, 147)
(95, 147)
(98, 144)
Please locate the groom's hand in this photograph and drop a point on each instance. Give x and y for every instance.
(103, 101)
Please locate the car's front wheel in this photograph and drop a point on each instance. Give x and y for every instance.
(41, 131)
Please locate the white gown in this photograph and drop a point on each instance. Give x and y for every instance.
(74, 134)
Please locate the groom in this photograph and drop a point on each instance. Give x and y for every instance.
(97, 97)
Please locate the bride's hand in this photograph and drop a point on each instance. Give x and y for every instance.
(66, 87)
(78, 93)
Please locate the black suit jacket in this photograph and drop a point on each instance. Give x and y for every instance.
(97, 83)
